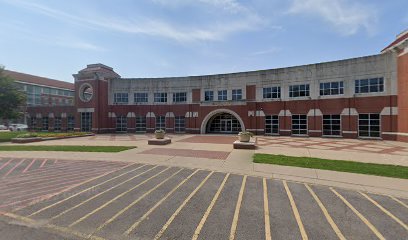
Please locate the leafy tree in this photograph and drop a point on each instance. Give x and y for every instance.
(11, 98)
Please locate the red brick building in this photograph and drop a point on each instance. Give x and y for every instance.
(364, 97)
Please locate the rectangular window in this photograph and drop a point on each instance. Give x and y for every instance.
(33, 123)
(179, 124)
(57, 124)
(121, 98)
(272, 124)
(160, 97)
(271, 92)
(45, 123)
(70, 123)
(141, 97)
(369, 85)
(121, 124)
(222, 95)
(332, 125)
(86, 121)
(302, 90)
(140, 124)
(209, 96)
(236, 94)
(299, 124)
(160, 122)
(180, 97)
(331, 88)
(369, 125)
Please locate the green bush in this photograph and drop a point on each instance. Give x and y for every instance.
(27, 135)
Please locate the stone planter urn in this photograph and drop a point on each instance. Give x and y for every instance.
(159, 134)
(245, 136)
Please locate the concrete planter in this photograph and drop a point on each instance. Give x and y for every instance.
(26, 140)
(244, 137)
(159, 135)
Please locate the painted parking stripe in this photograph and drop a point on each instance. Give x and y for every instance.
(371, 226)
(237, 209)
(43, 163)
(385, 211)
(326, 213)
(123, 210)
(208, 211)
(29, 165)
(170, 220)
(115, 198)
(134, 226)
(105, 191)
(295, 211)
(398, 201)
(87, 189)
(13, 168)
(266, 211)
(6, 163)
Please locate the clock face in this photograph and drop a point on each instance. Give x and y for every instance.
(85, 92)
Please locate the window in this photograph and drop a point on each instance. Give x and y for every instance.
(140, 124)
(141, 98)
(160, 122)
(45, 123)
(121, 98)
(209, 96)
(299, 91)
(33, 122)
(179, 124)
(369, 85)
(236, 94)
(86, 121)
(121, 124)
(299, 124)
(70, 123)
(57, 124)
(272, 124)
(332, 125)
(271, 92)
(180, 97)
(331, 88)
(222, 95)
(369, 125)
(160, 97)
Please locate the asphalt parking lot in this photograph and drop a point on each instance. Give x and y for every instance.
(135, 201)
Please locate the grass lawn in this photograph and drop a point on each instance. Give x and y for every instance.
(65, 148)
(393, 171)
(7, 136)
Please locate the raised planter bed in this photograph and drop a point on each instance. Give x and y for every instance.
(251, 144)
(155, 141)
(40, 139)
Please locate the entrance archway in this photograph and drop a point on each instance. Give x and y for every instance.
(222, 121)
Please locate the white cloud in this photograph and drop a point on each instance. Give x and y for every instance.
(247, 21)
(266, 51)
(348, 17)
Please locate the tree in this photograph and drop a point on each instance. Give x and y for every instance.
(11, 98)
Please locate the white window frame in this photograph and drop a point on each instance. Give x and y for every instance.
(160, 97)
(299, 124)
(121, 98)
(369, 125)
(273, 92)
(272, 123)
(330, 119)
(222, 95)
(210, 95)
(327, 88)
(179, 97)
(179, 124)
(160, 123)
(236, 94)
(141, 97)
(379, 85)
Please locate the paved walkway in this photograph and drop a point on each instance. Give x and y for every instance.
(214, 152)
(144, 201)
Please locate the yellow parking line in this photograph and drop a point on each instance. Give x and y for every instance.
(115, 198)
(167, 224)
(97, 195)
(52, 227)
(97, 185)
(237, 209)
(326, 213)
(295, 211)
(266, 211)
(371, 226)
(398, 201)
(136, 201)
(207, 212)
(134, 226)
(385, 211)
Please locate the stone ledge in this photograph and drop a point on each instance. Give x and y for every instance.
(26, 140)
(245, 145)
(154, 141)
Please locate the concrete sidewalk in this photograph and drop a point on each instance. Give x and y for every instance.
(240, 162)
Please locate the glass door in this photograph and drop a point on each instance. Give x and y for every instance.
(226, 125)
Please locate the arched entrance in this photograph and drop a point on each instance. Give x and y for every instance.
(222, 121)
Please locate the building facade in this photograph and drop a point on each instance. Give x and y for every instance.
(364, 97)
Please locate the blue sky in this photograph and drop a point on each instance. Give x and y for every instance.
(156, 38)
